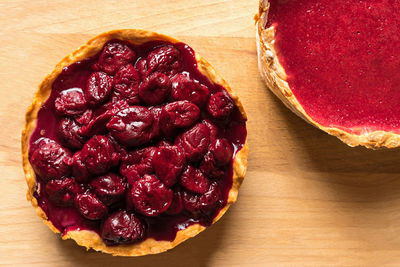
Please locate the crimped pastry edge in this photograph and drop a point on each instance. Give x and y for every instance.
(90, 239)
(274, 77)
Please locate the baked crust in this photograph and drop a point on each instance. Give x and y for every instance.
(274, 77)
(90, 239)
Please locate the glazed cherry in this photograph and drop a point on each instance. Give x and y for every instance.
(49, 161)
(71, 102)
(149, 196)
(220, 105)
(97, 125)
(62, 191)
(114, 56)
(122, 227)
(98, 88)
(179, 114)
(168, 162)
(126, 84)
(165, 59)
(68, 132)
(222, 151)
(210, 199)
(183, 88)
(191, 202)
(155, 89)
(97, 157)
(141, 160)
(194, 142)
(132, 126)
(194, 180)
(109, 188)
(90, 206)
(177, 203)
(209, 166)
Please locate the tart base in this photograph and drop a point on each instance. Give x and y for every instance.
(90, 239)
(275, 78)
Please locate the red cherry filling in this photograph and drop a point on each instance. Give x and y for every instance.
(155, 88)
(70, 102)
(168, 162)
(179, 114)
(126, 84)
(149, 196)
(132, 126)
(194, 142)
(62, 191)
(220, 105)
(194, 180)
(141, 164)
(122, 227)
(49, 161)
(114, 56)
(90, 206)
(98, 88)
(68, 132)
(183, 88)
(110, 188)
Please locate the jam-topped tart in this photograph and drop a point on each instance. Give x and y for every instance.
(335, 63)
(133, 144)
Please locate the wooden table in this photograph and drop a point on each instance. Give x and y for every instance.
(307, 199)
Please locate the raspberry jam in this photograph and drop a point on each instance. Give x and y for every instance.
(341, 58)
(135, 142)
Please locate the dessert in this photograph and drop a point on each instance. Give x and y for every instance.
(133, 144)
(334, 63)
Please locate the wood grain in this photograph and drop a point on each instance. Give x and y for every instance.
(307, 200)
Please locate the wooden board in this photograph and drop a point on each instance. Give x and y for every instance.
(307, 200)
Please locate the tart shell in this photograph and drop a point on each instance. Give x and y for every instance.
(90, 239)
(275, 78)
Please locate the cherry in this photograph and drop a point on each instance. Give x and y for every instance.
(90, 206)
(194, 142)
(165, 59)
(98, 88)
(155, 88)
(62, 191)
(70, 102)
(126, 84)
(114, 56)
(49, 161)
(168, 162)
(97, 157)
(177, 203)
(209, 166)
(179, 114)
(141, 160)
(132, 126)
(222, 150)
(109, 188)
(149, 196)
(194, 180)
(68, 132)
(184, 88)
(209, 200)
(122, 227)
(191, 202)
(220, 105)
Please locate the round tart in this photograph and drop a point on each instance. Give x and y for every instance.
(133, 144)
(335, 64)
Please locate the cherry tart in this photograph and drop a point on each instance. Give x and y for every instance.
(335, 64)
(133, 144)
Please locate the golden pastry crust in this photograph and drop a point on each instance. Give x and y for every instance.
(274, 77)
(90, 239)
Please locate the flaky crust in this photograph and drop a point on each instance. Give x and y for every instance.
(90, 239)
(274, 77)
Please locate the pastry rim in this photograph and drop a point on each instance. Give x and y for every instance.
(274, 77)
(91, 239)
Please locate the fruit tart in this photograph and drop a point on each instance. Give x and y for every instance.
(133, 144)
(335, 64)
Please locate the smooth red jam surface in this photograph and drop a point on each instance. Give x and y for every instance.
(342, 59)
(135, 142)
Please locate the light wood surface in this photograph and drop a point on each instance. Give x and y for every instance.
(307, 200)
